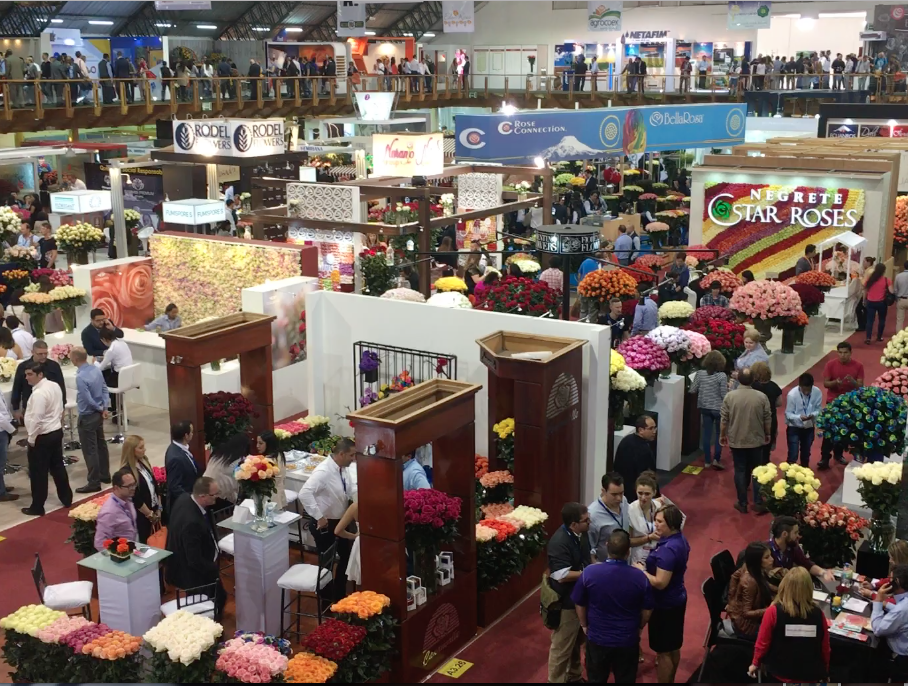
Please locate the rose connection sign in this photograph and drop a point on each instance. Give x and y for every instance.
(766, 227)
(80, 202)
(194, 212)
(229, 137)
(408, 154)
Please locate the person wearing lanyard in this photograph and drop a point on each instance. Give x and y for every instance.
(148, 507)
(326, 495)
(607, 513)
(786, 548)
(801, 409)
(117, 518)
(642, 517)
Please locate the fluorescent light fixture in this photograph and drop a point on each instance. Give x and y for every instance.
(260, 28)
(69, 41)
(370, 33)
(408, 34)
(56, 21)
(892, 122)
(163, 25)
(428, 35)
(789, 16)
(206, 26)
(294, 29)
(100, 22)
(843, 15)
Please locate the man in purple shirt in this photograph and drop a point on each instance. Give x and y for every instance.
(613, 600)
(117, 518)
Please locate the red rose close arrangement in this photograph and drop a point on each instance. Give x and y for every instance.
(334, 640)
(729, 282)
(704, 314)
(226, 414)
(430, 518)
(822, 280)
(502, 529)
(725, 336)
(829, 533)
(811, 297)
(520, 295)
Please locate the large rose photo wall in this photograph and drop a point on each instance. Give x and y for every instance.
(125, 293)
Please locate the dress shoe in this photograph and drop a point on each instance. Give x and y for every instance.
(760, 509)
(7, 497)
(105, 481)
(88, 489)
(741, 508)
(823, 466)
(31, 513)
(841, 459)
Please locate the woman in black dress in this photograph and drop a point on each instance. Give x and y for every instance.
(148, 507)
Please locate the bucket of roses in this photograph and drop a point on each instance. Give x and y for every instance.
(674, 341)
(430, 521)
(789, 494)
(675, 313)
(84, 524)
(185, 648)
(77, 240)
(829, 534)
(879, 484)
(646, 357)
(251, 658)
(495, 487)
(371, 611)
(768, 301)
(626, 386)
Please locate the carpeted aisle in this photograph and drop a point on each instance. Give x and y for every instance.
(516, 649)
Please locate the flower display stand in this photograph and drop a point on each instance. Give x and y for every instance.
(665, 398)
(544, 398)
(440, 412)
(495, 603)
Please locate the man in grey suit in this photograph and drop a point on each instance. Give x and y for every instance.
(107, 89)
(58, 75)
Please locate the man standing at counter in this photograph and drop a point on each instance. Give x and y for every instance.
(168, 321)
(91, 334)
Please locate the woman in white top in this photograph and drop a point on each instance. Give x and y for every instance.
(8, 346)
(354, 568)
(642, 515)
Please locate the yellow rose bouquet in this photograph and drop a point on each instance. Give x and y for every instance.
(505, 431)
(790, 494)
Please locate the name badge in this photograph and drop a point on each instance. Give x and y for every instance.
(800, 631)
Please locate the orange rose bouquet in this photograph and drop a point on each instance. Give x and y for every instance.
(371, 611)
(604, 285)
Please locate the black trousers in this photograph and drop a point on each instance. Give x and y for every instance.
(828, 448)
(112, 379)
(601, 662)
(324, 539)
(46, 456)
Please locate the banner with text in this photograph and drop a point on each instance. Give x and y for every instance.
(588, 134)
(458, 16)
(604, 16)
(749, 15)
(351, 18)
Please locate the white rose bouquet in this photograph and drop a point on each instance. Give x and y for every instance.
(79, 237)
(879, 485)
(675, 313)
(183, 645)
(132, 219)
(10, 221)
(895, 354)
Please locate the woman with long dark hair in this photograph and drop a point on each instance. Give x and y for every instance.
(749, 592)
(266, 444)
(877, 287)
(224, 460)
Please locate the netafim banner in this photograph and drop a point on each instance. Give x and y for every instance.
(586, 134)
(604, 16)
(229, 137)
(749, 15)
(351, 18)
(458, 16)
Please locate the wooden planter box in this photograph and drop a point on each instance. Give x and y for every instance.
(494, 604)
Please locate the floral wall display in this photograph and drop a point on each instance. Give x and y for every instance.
(126, 294)
(336, 256)
(766, 227)
(206, 277)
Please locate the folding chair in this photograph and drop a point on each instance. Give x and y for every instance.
(720, 632)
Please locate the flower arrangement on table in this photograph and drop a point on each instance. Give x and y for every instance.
(673, 341)
(895, 380)
(790, 494)
(184, 648)
(645, 356)
(301, 433)
(879, 484)
(7, 368)
(16, 278)
(520, 295)
(900, 223)
(26, 258)
(371, 611)
(603, 285)
(829, 534)
(728, 281)
(770, 301)
(632, 193)
(84, 524)
(675, 313)
(378, 275)
(451, 301)
(821, 280)
(225, 415)
(504, 444)
(448, 284)
(430, 521)
(251, 659)
(79, 238)
(256, 476)
(811, 298)
(506, 544)
(895, 354)
(868, 422)
(404, 294)
(118, 549)
(495, 487)
(10, 221)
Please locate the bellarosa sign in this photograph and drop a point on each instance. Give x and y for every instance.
(808, 208)
(229, 137)
(401, 154)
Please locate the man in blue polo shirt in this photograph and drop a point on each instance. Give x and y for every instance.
(614, 601)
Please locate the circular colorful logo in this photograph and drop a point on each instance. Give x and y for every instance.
(719, 210)
(734, 122)
(472, 138)
(505, 127)
(898, 12)
(610, 131)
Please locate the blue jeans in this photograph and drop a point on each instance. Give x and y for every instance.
(4, 446)
(799, 439)
(746, 460)
(875, 307)
(709, 433)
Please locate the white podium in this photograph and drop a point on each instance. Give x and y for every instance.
(666, 398)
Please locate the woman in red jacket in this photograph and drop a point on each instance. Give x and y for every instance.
(793, 643)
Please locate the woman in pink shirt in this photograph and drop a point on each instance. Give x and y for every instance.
(876, 289)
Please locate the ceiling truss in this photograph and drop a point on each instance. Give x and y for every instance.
(28, 18)
(262, 14)
(416, 22)
(145, 22)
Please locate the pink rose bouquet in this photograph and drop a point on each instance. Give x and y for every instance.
(895, 380)
(699, 345)
(645, 357)
(430, 518)
(250, 663)
(771, 301)
(61, 628)
(60, 352)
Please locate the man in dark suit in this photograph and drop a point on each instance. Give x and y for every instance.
(591, 185)
(192, 540)
(224, 76)
(182, 470)
(107, 89)
(123, 71)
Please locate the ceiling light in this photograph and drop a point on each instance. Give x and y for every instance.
(294, 29)
(206, 26)
(507, 109)
(428, 35)
(842, 15)
(100, 22)
(56, 21)
(260, 28)
(408, 34)
(370, 33)
(163, 25)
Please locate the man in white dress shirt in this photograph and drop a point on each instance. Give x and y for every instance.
(44, 423)
(325, 497)
(23, 338)
(117, 356)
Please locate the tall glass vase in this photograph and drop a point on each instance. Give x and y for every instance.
(260, 522)
(69, 318)
(424, 566)
(37, 321)
(882, 531)
(788, 341)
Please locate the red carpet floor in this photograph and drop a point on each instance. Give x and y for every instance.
(516, 649)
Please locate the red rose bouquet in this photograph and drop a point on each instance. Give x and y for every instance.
(334, 640)
(430, 517)
(704, 314)
(811, 297)
(226, 414)
(829, 534)
(520, 295)
(725, 336)
(729, 282)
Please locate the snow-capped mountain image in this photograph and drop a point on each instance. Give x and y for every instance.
(569, 146)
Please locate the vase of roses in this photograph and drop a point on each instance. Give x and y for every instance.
(830, 533)
(673, 341)
(768, 303)
(868, 422)
(225, 415)
(645, 357)
(256, 476)
(791, 326)
(879, 484)
(430, 521)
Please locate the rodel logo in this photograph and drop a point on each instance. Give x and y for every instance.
(185, 137)
(241, 138)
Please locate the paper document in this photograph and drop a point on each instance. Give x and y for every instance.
(820, 596)
(855, 605)
(284, 517)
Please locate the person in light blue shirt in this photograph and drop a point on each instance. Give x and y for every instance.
(801, 409)
(624, 246)
(26, 238)
(414, 475)
(92, 399)
(589, 265)
(168, 321)
(891, 621)
(646, 316)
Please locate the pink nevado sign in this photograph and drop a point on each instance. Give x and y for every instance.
(407, 154)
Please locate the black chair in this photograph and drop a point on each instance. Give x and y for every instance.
(199, 601)
(723, 567)
(718, 633)
(309, 580)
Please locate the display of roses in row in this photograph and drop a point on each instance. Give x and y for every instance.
(520, 295)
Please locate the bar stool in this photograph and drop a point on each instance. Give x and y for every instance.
(73, 442)
(128, 380)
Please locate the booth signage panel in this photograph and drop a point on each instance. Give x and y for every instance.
(585, 134)
(229, 137)
(408, 155)
(374, 106)
(80, 202)
(194, 212)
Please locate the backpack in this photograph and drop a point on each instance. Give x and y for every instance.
(550, 604)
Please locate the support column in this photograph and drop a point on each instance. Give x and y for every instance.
(211, 172)
(118, 207)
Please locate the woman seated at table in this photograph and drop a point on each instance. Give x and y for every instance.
(224, 460)
(148, 507)
(753, 353)
(749, 592)
(793, 643)
(345, 530)
(898, 555)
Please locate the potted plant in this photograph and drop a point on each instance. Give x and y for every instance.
(120, 549)
(369, 362)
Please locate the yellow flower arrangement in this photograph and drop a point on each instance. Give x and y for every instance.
(364, 604)
(578, 181)
(30, 619)
(616, 363)
(504, 428)
(447, 284)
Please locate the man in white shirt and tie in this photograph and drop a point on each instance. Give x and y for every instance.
(325, 497)
(43, 421)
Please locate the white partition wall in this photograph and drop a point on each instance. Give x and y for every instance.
(338, 320)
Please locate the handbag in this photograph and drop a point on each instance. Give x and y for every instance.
(550, 605)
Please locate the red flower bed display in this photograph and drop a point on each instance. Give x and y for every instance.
(520, 295)
(724, 336)
(811, 297)
(334, 640)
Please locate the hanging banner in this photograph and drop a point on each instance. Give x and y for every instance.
(557, 135)
(458, 16)
(407, 154)
(229, 137)
(351, 18)
(604, 16)
(749, 15)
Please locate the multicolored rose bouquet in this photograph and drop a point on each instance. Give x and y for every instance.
(770, 301)
(895, 354)
(675, 313)
(811, 298)
(645, 356)
(728, 281)
(789, 494)
(821, 280)
(603, 285)
(520, 295)
(672, 340)
(868, 421)
(226, 414)
(506, 544)
(895, 380)
(829, 534)
(300, 434)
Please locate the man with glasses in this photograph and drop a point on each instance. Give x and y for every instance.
(636, 454)
(569, 555)
(117, 518)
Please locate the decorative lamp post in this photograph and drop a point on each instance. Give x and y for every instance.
(567, 240)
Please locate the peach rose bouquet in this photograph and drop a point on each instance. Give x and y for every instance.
(771, 301)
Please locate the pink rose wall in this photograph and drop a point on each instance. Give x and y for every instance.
(125, 293)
